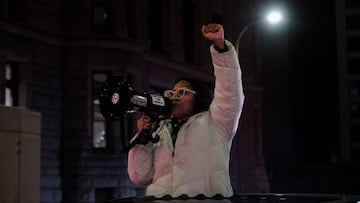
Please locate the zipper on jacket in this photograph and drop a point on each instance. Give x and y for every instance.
(172, 172)
(173, 149)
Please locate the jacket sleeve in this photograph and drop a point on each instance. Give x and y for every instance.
(226, 107)
(140, 163)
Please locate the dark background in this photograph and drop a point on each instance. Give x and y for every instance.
(313, 74)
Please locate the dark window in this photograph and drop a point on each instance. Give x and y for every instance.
(355, 155)
(354, 65)
(156, 25)
(355, 133)
(130, 19)
(354, 89)
(3, 9)
(353, 22)
(353, 44)
(188, 18)
(11, 85)
(352, 3)
(13, 10)
(101, 16)
(99, 124)
(355, 110)
(17, 10)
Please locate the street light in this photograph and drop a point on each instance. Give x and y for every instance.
(273, 18)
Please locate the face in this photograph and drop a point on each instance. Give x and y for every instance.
(183, 108)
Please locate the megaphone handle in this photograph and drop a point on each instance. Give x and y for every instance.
(145, 133)
(130, 146)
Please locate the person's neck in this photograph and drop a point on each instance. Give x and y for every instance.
(180, 120)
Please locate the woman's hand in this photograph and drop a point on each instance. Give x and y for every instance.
(215, 33)
(144, 122)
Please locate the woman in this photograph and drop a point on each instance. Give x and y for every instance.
(193, 153)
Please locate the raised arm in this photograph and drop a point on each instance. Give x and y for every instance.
(228, 101)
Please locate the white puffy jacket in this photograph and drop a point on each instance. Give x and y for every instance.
(199, 163)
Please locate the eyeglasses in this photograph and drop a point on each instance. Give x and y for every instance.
(178, 94)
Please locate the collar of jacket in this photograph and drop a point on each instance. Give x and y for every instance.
(181, 137)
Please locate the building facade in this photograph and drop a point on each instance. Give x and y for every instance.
(54, 56)
(348, 42)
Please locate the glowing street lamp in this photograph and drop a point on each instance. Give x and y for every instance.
(273, 18)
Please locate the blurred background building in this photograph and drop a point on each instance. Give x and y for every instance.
(299, 131)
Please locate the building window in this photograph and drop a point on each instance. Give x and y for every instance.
(130, 16)
(188, 18)
(156, 25)
(99, 123)
(13, 10)
(11, 85)
(352, 3)
(101, 17)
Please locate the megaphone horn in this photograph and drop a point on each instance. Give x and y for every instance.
(117, 97)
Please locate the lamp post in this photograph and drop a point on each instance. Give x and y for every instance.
(254, 88)
(273, 17)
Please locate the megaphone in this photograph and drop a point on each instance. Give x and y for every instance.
(117, 97)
